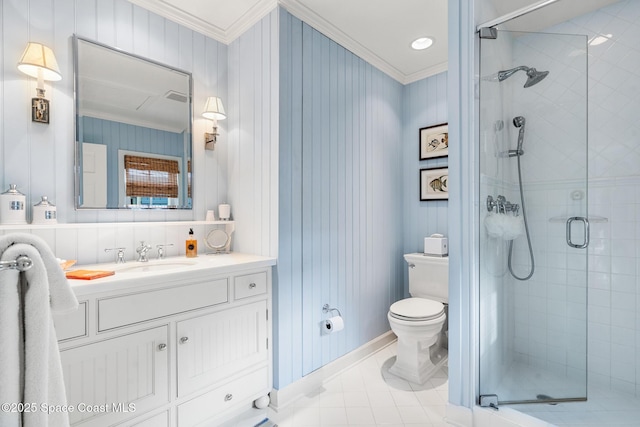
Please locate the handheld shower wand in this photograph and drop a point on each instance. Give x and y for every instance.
(518, 122)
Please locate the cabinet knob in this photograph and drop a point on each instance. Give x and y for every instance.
(184, 340)
(252, 285)
(162, 347)
(228, 397)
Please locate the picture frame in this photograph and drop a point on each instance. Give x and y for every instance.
(434, 184)
(434, 141)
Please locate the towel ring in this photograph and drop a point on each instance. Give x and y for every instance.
(22, 263)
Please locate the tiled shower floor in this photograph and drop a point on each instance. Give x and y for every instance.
(602, 408)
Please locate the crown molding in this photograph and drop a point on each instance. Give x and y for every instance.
(262, 9)
(249, 19)
(334, 33)
(427, 72)
(226, 36)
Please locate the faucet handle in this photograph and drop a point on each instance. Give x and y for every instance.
(161, 249)
(119, 256)
(143, 246)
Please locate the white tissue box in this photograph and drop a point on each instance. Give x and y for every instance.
(436, 244)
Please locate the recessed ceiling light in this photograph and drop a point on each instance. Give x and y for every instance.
(422, 43)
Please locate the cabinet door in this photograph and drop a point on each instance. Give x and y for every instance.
(116, 379)
(221, 344)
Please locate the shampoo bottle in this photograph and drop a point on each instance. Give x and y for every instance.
(191, 245)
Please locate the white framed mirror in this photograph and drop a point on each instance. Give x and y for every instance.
(133, 131)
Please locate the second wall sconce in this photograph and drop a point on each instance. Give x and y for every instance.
(213, 110)
(38, 61)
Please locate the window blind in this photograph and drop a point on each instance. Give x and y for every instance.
(151, 177)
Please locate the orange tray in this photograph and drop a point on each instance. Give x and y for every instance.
(89, 274)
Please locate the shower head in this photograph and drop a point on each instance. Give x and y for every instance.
(533, 76)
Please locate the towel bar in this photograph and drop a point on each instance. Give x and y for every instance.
(22, 263)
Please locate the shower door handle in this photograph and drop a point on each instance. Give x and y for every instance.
(585, 223)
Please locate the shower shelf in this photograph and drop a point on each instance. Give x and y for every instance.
(592, 219)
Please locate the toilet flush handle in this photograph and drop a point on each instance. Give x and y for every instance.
(411, 265)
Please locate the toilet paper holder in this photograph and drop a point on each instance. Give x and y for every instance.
(327, 308)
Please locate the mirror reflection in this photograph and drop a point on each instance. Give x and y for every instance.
(133, 131)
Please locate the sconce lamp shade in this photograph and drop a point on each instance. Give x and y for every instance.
(213, 109)
(39, 57)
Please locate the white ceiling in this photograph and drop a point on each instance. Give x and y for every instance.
(378, 31)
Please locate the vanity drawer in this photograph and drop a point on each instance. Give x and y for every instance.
(250, 285)
(125, 310)
(213, 403)
(71, 325)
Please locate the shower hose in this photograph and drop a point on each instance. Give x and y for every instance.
(526, 229)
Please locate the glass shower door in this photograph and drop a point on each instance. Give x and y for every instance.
(534, 230)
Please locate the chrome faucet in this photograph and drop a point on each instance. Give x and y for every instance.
(142, 252)
(119, 256)
(161, 250)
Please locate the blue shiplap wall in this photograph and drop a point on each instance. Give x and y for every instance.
(122, 136)
(340, 228)
(424, 104)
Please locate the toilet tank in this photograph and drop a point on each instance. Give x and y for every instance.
(428, 276)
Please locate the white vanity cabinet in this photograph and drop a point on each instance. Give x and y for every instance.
(111, 380)
(174, 350)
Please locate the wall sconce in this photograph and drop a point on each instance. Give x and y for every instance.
(213, 110)
(38, 61)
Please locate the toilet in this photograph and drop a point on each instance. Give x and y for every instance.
(418, 321)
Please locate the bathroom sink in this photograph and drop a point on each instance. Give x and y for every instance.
(154, 266)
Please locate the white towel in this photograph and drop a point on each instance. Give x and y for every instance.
(503, 226)
(30, 369)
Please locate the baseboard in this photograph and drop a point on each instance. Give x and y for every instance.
(307, 384)
(459, 416)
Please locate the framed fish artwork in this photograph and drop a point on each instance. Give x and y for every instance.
(434, 141)
(434, 184)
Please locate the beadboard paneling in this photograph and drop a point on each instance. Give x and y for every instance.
(38, 157)
(340, 183)
(424, 104)
(253, 137)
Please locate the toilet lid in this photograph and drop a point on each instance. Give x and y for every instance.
(416, 309)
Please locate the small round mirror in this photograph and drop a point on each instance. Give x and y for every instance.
(217, 239)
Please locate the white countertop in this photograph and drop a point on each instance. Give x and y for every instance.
(169, 271)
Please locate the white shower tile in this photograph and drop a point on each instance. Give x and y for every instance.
(623, 336)
(622, 301)
(623, 318)
(599, 280)
(623, 265)
(599, 314)
(623, 247)
(600, 264)
(599, 298)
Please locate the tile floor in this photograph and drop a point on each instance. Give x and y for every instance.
(365, 395)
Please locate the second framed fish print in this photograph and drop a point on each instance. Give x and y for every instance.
(434, 141)
(434, 184)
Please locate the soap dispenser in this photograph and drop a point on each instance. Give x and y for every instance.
(191, 245)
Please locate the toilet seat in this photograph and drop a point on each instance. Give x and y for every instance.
(416, 309)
